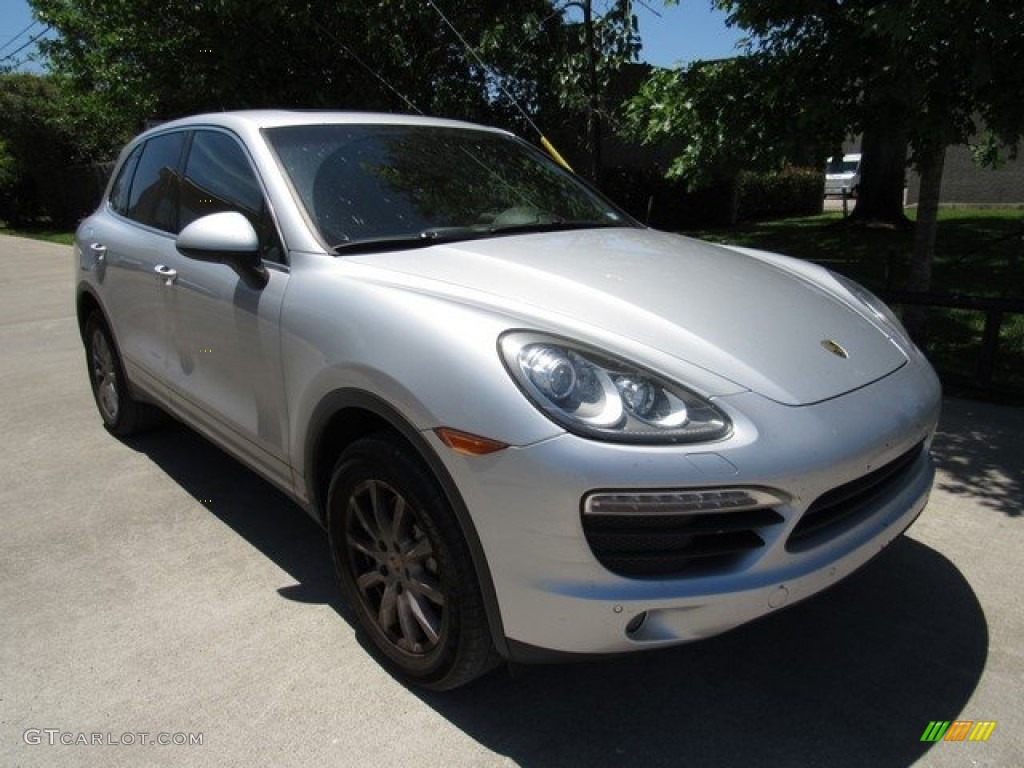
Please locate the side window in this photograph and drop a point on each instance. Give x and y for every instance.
(123, 183)
(218, 177)
(154, 191)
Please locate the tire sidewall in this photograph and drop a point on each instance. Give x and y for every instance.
(95, 325)
(379, 459)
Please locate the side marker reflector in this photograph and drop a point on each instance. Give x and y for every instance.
(467, 444)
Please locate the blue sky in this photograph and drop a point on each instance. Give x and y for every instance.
(685, 32)
(673, 35)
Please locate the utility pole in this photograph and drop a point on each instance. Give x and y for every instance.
(594, 132)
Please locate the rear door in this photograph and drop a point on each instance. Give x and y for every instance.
(131, 243)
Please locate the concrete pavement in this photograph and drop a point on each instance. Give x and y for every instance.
(154, 590)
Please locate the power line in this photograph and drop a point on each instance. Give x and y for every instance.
(485, 68)
(14, 39)
(649, 8)
(515, 102)
(14, 53)
(368, 68)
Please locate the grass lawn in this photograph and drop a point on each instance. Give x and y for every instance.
(49, 235)
(978, 252)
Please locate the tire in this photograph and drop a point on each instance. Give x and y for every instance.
(122, 414)
(405, 567)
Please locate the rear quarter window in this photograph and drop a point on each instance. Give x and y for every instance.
(123, 182)
(153, 199)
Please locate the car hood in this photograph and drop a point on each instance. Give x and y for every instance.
(743, 317)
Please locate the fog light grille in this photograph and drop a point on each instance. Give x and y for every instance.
(657, 534)
(851, 503)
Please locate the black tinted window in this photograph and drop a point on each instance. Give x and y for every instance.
(123, 183)
(219, 177)
(153, 198)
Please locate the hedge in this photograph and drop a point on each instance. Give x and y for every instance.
(667, 204)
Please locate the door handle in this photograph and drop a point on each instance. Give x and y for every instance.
(166, 274)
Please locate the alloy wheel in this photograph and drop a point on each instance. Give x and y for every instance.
(104, 373)
(395, 569)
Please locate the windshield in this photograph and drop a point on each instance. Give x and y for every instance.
(840, 167)
(386, 185)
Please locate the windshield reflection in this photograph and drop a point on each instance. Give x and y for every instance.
(402, 184)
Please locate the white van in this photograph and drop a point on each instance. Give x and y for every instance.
(842, 174)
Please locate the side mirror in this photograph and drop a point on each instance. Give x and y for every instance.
(226, 238)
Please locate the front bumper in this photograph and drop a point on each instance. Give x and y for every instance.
(552, 592)
(617, 620)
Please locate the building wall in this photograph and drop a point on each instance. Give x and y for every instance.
(963, 181)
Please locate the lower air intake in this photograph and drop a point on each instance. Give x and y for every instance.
(851, 503)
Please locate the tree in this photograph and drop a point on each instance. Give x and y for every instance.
(721, 124)
(819, 58)
(33, 148)
(126, 63)
(935, 72)
(923, 74)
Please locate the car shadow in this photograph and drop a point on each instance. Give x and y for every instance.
(851, 677)
(251, 506)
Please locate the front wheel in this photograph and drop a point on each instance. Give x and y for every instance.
(405, 566)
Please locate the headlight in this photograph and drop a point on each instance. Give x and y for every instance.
(875, 306)
(597, 395)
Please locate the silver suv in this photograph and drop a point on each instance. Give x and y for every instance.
(531, 427)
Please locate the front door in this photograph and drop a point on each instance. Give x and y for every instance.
(224, 346)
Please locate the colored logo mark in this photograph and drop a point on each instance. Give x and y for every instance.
(958, 730)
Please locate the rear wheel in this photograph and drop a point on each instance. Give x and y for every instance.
(122, 414)
(405, 566)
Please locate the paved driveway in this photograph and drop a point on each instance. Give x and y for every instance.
(153, 590)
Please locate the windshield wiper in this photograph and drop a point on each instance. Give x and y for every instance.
(551, 225)
(397, 242)
(439, 235)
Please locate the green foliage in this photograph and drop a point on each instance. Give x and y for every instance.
(718, 121)
(672, 204)
(936, 69)
(789, 192)
(615, 42)
(8, 166)
(145, 59)
(990, 152)
(119, 64)
(819, 70)
(931, 72)
(33, 148)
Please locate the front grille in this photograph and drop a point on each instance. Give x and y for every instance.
(667, 545)
(850, 503)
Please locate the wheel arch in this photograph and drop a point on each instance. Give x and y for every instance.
(87, 302)
(346, 415)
